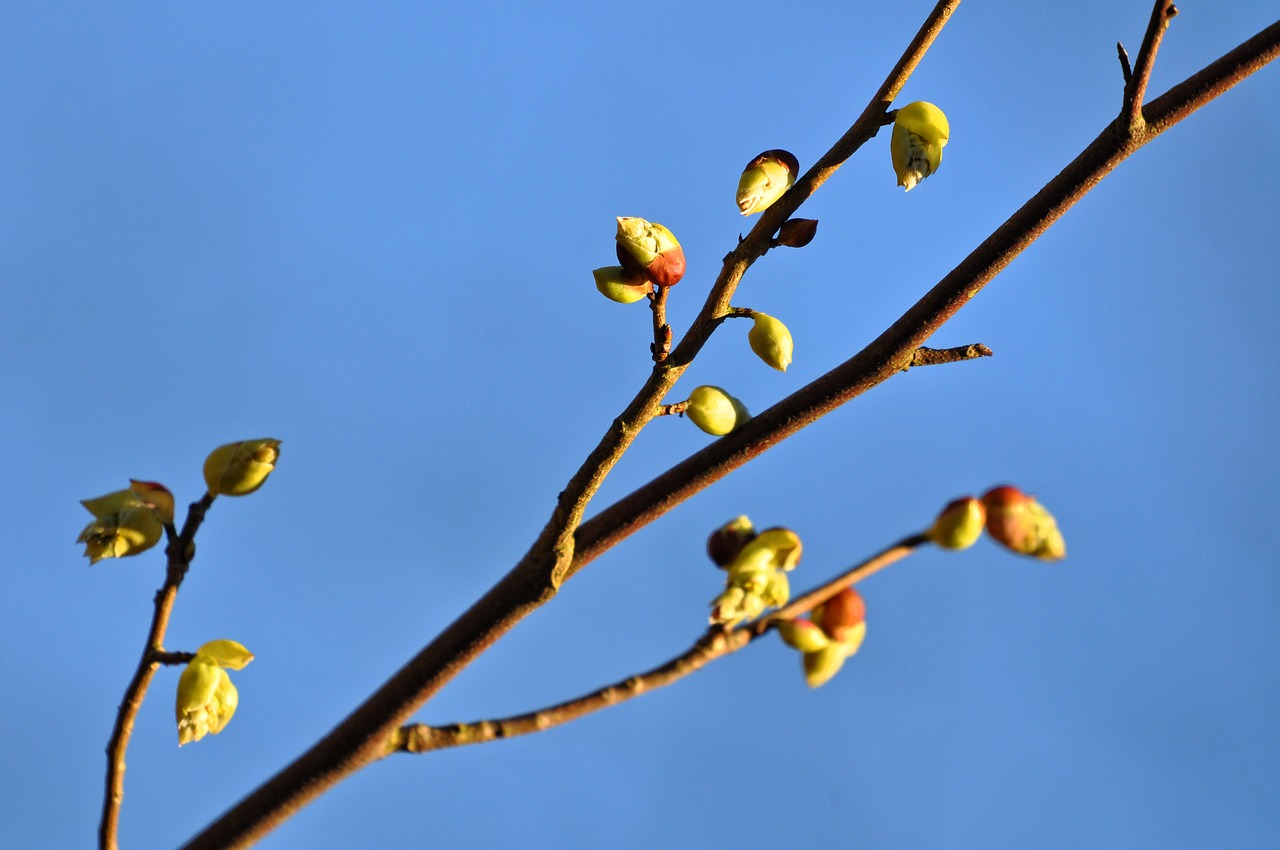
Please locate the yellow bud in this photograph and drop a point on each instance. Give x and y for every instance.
(649, 250)
(920, 132)
(765, 179)
(616, 285)
(206, 700)
(771, 341)
(820, 666)
(122, 526)
(802, 635)
(959, 525)
(715, 411)
(237, 469)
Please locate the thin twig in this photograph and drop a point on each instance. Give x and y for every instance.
(715, 643)
(1135, 90)
(1125, 68)
(179, 553)
(936, 356)
(675, 409)
(661, 346)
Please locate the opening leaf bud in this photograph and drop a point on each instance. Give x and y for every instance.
(715, 411)
(122, 526)
(771, 341)
(237, 469)
(920, 132)
(206, 697)
(765, 179)
(649, 250)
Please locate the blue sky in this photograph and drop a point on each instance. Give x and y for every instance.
(369, 230)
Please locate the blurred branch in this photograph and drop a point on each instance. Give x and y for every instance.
(567, 544)
(179, 552)
(715, 643)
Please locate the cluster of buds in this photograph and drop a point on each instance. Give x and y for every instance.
(1012, 518)
(715, 411)
(755, 567)
(237, 469)
(833, 633)
(206, 696)
(920, 132)
(126, 522)
(650, 256)
(771, 341)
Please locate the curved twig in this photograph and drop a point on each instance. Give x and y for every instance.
(714, 643)
(179, 553)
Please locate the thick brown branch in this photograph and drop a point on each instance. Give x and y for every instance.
(560, 552)
(179, 553)
(715, 643)
(364, 735)
(936, 356)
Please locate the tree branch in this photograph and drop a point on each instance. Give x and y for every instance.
(715, 643)
(1135, 89)
(559, 552)
(179, 553)
(363, 736)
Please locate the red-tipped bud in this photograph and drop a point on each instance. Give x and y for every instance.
(727, 541)
(649, 250)
(840, 615)
(1022, 524)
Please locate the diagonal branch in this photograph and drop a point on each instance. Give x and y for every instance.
(179, 553)
(713, 644)
(563, 548)
(363, 736)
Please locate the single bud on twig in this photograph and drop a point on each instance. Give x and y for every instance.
(797, 232)
(920, 132)
(649, 250)
(727, 541)
(715, 411)
(959, 525)
(771, 341)
(1022, 524)
(616, 285)
(765, 179)
(237, 469)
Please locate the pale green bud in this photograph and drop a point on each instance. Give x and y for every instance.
(715, 411)
(771, 341)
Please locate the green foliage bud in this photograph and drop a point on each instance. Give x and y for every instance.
(771, 341)
(715, 411)
(123, 525)
(206, 697)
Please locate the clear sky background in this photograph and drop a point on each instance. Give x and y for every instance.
(368, 230)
